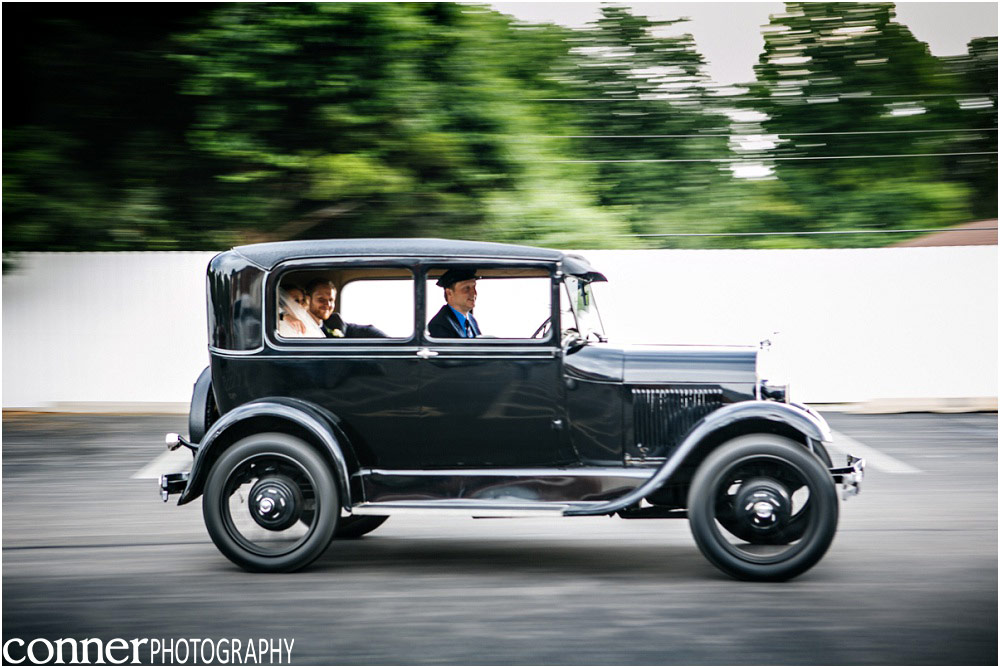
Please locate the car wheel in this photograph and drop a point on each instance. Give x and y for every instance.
(356, 526)
(761, 507)
(271, 503)
(796, 525)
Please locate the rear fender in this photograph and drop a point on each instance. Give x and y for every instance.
(317, 425)
(203, 411)
(810, 424)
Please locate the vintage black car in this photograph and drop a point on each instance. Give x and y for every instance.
(317, 420)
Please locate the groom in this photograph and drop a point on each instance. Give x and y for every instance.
(455, 319)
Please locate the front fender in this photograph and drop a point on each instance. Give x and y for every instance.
(803, 419)
(306, 416)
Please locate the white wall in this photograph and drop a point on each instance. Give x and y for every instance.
(855, 325)
(103, 327)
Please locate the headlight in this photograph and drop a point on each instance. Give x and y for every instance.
(773, 369)
(775, 392)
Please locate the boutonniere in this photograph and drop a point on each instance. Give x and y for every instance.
(334, 333)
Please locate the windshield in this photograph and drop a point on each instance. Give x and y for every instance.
(580, 308)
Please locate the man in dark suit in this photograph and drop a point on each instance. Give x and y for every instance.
(322, 295)
(455, 319)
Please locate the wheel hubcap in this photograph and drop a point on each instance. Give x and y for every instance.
(764, 510)
(763, 504)
(275, 502)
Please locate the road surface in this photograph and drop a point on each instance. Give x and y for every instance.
(911, 578)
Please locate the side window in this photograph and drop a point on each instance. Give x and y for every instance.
(505, 303)
(386, 301)
(343, 302)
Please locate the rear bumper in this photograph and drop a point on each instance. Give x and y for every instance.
(850, 476)
(172, 483)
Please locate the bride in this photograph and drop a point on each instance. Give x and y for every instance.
(300, 324)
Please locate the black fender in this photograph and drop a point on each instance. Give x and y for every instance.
(312, 419)
(804, 420)
(204, 410)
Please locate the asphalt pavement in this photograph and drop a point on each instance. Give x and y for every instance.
(911, 578)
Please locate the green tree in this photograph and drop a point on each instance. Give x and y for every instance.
(94, 151)
(202, 125)
(362, 119)
(975, 77)
(838, 82)
(644, 97)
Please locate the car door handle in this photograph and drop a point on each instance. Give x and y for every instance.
(426, 353)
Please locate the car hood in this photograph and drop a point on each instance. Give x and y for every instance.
(690, 364)
(666, 364)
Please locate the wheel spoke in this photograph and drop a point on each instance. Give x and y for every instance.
(265, 509)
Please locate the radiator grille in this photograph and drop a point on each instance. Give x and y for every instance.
(663, 416)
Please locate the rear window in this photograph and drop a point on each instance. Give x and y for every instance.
(342, 302)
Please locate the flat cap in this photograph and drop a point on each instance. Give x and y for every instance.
(456, 274)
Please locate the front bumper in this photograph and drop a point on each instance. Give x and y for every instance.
(850, 476)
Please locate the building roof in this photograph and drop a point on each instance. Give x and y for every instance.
(979, 233)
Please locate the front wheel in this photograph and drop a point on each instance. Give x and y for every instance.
(271, 503)
(762, 508)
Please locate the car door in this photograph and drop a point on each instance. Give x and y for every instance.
(494, 400)
(367, 373)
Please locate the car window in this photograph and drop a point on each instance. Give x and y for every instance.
(345, 302)
(387, 302)
(510, 303)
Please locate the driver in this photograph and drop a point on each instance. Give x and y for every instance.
(455, 320)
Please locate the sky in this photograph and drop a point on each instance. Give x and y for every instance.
(728, 33)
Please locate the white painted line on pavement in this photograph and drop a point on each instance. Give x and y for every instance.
(171, 461)
(874, 459)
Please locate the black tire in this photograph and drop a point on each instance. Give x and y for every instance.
(300, 488)
(356, 526)
(763, 467)
(823, 455)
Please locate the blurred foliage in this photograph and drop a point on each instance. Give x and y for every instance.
(199, 126)
(848, 68)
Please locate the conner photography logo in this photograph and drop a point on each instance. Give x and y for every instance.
(118, 651)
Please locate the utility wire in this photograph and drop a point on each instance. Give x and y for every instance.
(788, 234)
(760, 134)
(847, 96)
(739, 98)
(765, 158)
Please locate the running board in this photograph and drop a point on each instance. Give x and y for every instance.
(474, 508)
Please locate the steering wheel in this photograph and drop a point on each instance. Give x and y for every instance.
(543, 329)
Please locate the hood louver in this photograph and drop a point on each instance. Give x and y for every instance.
(663, 416)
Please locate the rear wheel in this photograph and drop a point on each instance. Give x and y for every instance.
(761, 507)
(271, 503)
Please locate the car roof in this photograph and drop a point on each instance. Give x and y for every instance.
(268, 255)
